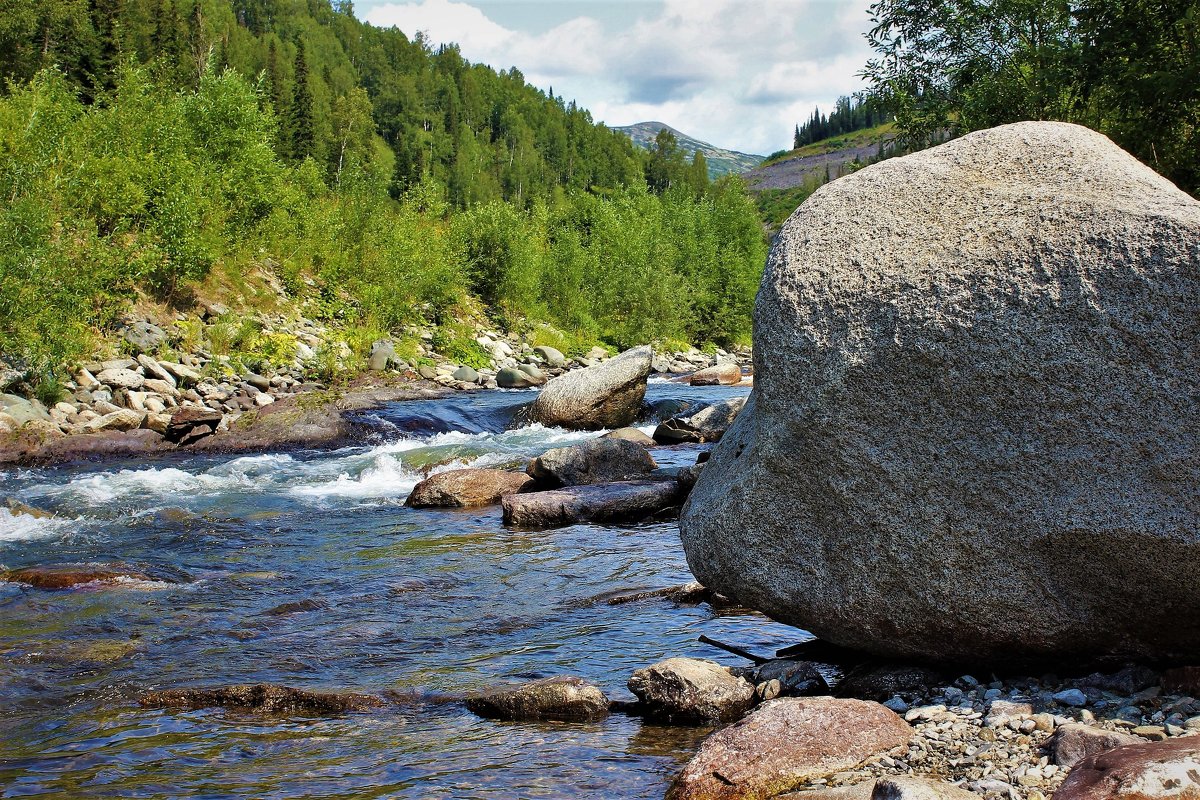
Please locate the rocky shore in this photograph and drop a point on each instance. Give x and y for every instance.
(166, 393)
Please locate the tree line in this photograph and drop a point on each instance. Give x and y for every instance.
(849, 114)
(155, 146)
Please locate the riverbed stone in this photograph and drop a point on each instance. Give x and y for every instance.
(1167, 770)
(623, 501)
(21, 410)
(70, 576)
(123, 419)
(553, 358)
(562, 698)
(606, 395)
(784, 743)
(723, 373)
(465, 374)
(601, 460)
(631, 434)
(708, 424)
(383, 355)
(467, 488)
(691, 690)
(968, 438)
(121, 378)
(263, 698)
(145, 336)
(1074, 742)
(191, 423)
(513, 378)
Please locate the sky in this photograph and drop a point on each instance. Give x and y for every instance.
(739, 74)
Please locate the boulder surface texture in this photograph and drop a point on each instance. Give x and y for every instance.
(785, 743)
(606, 395)
(600, 460)
(692, 689)
(466, 488)
(975, 427)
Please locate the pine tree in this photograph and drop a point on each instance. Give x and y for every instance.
(301, 134)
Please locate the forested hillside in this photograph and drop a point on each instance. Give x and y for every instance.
(154, 148)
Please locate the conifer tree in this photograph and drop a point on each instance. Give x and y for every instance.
(300, 129)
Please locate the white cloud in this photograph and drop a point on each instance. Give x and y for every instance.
(737, 73)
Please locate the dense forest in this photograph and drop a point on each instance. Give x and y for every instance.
(151, 148)
(1127, 68)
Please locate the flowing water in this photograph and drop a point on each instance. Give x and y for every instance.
(421, 602)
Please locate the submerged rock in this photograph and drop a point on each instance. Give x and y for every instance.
(607, 395)
(69, 576)
(624, 501)
(972, 434)
(264, 698)
(706, 425)
(565, 698)
(691, 690)
(785, 743)
(467, 488)
(600, 460)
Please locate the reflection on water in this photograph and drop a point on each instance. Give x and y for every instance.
(306, 569)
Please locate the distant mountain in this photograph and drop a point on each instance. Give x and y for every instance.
(720, 161)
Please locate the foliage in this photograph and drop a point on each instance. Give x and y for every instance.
(1129, 68)
(849, 114)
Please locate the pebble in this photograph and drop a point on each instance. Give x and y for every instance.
(1071, 697)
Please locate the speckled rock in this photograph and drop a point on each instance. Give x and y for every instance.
(606, 395)
(725, 373)
(973, 433)
(1072, 743)
(600, 460)
(1155, 771)
(784, 743)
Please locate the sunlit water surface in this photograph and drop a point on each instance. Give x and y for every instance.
(428, 602)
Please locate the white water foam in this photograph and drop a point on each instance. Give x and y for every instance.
(26, 527)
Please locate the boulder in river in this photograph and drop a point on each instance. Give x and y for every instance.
(1167, 770)
(623, 501)
(264, 698)
(706, 425)
(553, 358)
(564, 698)
(972, 434)
(467, 488)
(600, 460)
(465, 374)
(513, 378)
(606, 395)
(630, 434)
(723, 373)
(785, 743)
(691, 690)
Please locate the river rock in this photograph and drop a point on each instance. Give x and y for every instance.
(153, 370)
(706, 425)
(789, 678)
(191, 423)
(691, 690)
(465, 374)
(263, 698)
(723, 373)
(972, 433)
(69, 576)
(906, 788)
(565, 698)
(624, 501)
(513, 378)
(634, 435)
(21, 410)
(146, 337)
(553, 358)
(1073, 742)
(785, 743)
(121, 378)
(607, 395)
(383, 354)
(467, 488)
(123, 419)
(1167, 770)
(594, 461)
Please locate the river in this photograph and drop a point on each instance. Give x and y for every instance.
(421, 602)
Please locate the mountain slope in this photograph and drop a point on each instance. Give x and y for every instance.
(720, 161)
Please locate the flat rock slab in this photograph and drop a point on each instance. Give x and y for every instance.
(563, 698)
(70, 576)
(622, 501)
(607, 395)
(1167, 770)
(263, 698)
(691, 690)
(785, 743)
(467, 488)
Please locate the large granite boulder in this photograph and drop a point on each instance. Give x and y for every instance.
(467, 488)
(594, 461)
(975, 427)
(607, 395)
(1167, 770)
